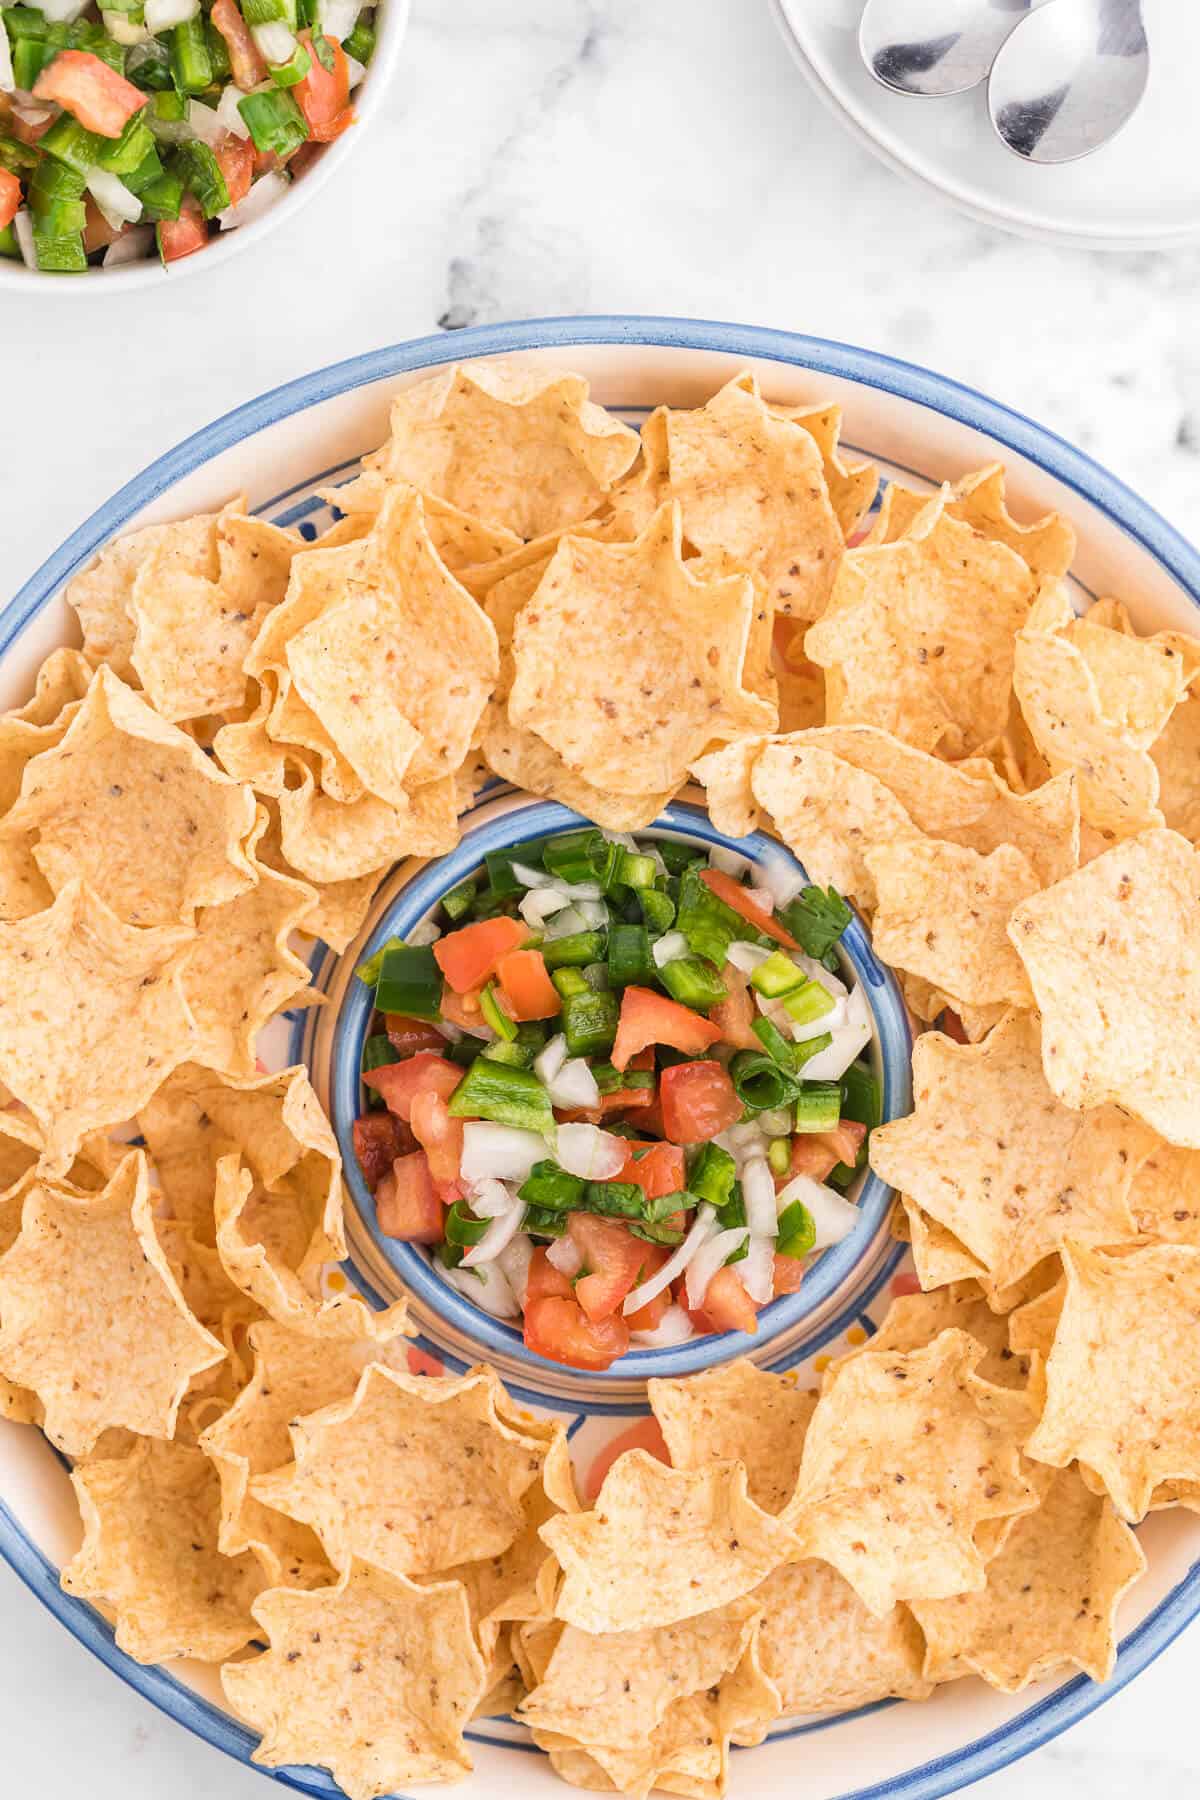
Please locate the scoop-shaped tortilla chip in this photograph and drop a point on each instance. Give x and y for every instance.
(1123, 1376)
(918, 636)
(92, 1318)
(627, 666)
(150, 1554)
(101, 596)
(826, 1652)
(519, 446)
(275, 1241)
(726, 776)
(524, 759)
(908, 1457)
(366, 1467)
(978, 499)
(133, 806)
(1165, 1196)
(914, 1320)
(331, 842)
(1050, 1601)
(374, 1679)
(65, 676)
(465, 544)
(293, 727)
(830, 814)
(295, 1372)
(737, 1413)
(662, 1545)
(751, 484)
(852, 486)
(991, 1154)
(1113, 954)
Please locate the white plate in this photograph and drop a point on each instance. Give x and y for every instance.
(1141, 192)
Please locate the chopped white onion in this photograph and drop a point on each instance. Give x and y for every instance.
(531, 878)
(355, 70)
(745, 956)
(589, 1153)
(62, 12)
(122, 29)
(116, 202)
(514, 1261)
(566, 923)
(266, 192)
(502, 1151)
(833, 1216)
(565, 1255)
(539, 904)
(499, 1234)
(490, 1199)
(205, 122)
(424, 933)
(762, 898)
(23, 227)
(488, 1287)
(673, 1328)
(780, 876)
(810, 1028)
(227, 111)
(452, 1033)
(756, 1271)
(742, 1141)
(133, 245)
(574, 1086)
(594, 913)
(776, 1121)
(758, 1191)
(550, 1059)
(585, 890)
(338, 17)
(730, 862)
(169, 131)
(162, 14)
(850, 1037)
(675, 1264)
(816, 971)
(275, 41)
(669, 948)
(712, 1255)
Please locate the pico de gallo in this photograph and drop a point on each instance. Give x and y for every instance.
(144, 127)
(617, 1090)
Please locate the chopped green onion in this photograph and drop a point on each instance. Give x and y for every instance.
(759, 1083)
(589, 1022)
(457, 903)
(410, 982)
(274, 121)
(361, 42)
(323, 51)
(58, 219)
(124, 155)
(713, 1175)
(368, 970)
(811, 1047)
(575, 856)
(775, 1045)
(548, 1186)
(52, 182)
(693, 982)
(816, 918)
(521, 1049)
(808, 1003)
(678, 857)
(569, 981)
(29, 57)
(69, 142)
(196, 165)
(59, 255)
(499, 864)
(779, 1155)
(147, 172)
(506, 1095)
(218, 53)
(629, 958)
(293, 71)
(163, 198)
(191, 64)
(263, 12)
(861, 1099)
(707, 923)
(818, 1106)
(797, 1230)
(658, 910)
(25, 22)
(495, 1015)
(634, 870)
(574, 951)
(611, 1080)
(461, 1228)
(171, 108)
(777, 976)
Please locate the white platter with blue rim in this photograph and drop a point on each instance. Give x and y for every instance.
(279, 449)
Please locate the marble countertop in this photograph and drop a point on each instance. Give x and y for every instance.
(556, 156)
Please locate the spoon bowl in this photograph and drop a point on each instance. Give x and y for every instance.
(1068, 78)
(934, 47)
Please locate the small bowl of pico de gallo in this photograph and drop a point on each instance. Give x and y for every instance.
(143, 135)
(613, 1094)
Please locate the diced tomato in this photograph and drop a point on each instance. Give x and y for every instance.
(728, 1305)
(950, 1023)
(525, 987)
(612, 1257)
(245, 61)
(650, 1117)
(468, 957)
(100, 99)
(449, 1191)
(407, 1036)
(401, 1082)
(650, 1018)
(379, 1138)
(811, 1155)
(264, 162)
(657, 1168)
(734, 894)
(180, 237)
(98, 234)
(544, 1280)
(734, 1015)
(650, 1316)
(324, 94)
(27, 131)
(10, 197)
(235, 158)
(461, 1009)
(844, 1141)
(406, 1202)
(638, 1100)
(789, 1273)
(440, 1136)
(559, 1329)
(698, 1101)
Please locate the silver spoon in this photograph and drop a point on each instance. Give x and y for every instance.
(934, 47)
(1068, 78)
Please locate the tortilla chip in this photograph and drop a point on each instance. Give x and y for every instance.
(102, 594)
(1050, 1601)
(942, 912)
(826, 1652)
(194, 626)
(150, 1554)
(295, 1372)
(1176, 756)
(918, 635)
(978, 499)
(737, 1413)
(914, 1320)
(909, 1456)
(373, 1679)
(519, 446)
(751, 484)
(801, 689)
(1120, 1020)
(133, 806)
(293, 727)
(215, 1302)
(65, 676)
(725, 775)
(1165, 1196)
(852, 486)
(338, 907)
(366, 1467)
(1123, 1376)
(662, 1545)
(641, 491)
(92, 1319)
(522, 758)
(463, 542)
(328, 842)
(586, 1692)
(990, 1154)
(628, 667)
(829, 814)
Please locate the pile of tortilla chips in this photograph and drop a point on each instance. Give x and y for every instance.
(255, 729)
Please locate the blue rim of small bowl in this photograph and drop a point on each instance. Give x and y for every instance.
(515, 824)
(1045, 1718)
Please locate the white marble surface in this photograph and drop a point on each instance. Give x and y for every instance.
(553, 156)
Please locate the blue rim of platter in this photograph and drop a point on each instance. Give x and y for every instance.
(1076, 1698)
(539, 818)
